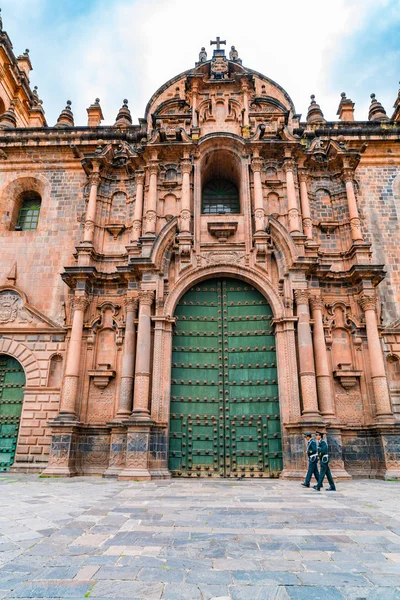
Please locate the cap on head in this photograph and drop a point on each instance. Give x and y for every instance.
(307, 434)
(320, 433)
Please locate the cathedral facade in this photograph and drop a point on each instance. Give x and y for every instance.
(186, 296)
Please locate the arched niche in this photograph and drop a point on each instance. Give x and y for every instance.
(169, 205)
(55, 371)
(222, 165)
(393, 367)
(272, 206)
(118, 208)
(323, 204)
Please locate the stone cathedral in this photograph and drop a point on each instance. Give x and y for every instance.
(187, 295)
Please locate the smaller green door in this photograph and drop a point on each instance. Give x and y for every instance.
(12, 381)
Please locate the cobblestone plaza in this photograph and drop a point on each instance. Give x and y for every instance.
(198, 540)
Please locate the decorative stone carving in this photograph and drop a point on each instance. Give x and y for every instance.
(219, 67)
(9, 307)
(230, 258)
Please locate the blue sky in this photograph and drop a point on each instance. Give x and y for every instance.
(115, 49)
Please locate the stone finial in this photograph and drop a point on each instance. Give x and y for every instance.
(233, 54)
(35, 96)
(36, 112)
(8, 120)
(124, 118)
(1, 22)
(376, 111)
(95, 114)
(24, 63)
(346, 108)
(396, 106)
(315, 114)
(202, 55)
(66, 118)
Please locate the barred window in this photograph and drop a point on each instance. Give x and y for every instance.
(29, 212)
(220, 197)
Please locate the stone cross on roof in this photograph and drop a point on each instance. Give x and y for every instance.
(218, 42)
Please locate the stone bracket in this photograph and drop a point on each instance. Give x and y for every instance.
(347, 376)
(102, 376)
(222, 230)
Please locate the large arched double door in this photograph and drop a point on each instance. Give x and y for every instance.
(224, 419)
(12, 381)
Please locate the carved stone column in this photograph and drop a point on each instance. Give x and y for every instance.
(293, 210)
(91, 206)
(355, 224)
(138, 215)
(324, 384)
(194, 104)
(143, 358)
(186, 168)
(306, 359)
(70, 386)
(378, 375)
(151, 213)
(305, 205)
(245, 93)
(128, 360)
(259, 213)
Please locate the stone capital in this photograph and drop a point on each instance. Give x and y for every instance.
(139, 175)
(146, 298)
(257, 164)
(131, 303)
(94, 178)
(80, 303)
(186, 166)
(301, 296)
(153, 167)
(367, 301)
(289, 165)
(316, 302)
(303, 175)
(348, 175)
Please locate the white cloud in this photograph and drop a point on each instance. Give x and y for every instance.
(128, 48)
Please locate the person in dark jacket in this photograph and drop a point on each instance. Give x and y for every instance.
(312, 456)
(323, 457)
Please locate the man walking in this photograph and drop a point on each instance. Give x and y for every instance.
(324, 464)
(312, 460)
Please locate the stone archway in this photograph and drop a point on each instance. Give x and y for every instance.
(284, 323)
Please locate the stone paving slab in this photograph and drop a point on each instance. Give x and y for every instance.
(207, 540)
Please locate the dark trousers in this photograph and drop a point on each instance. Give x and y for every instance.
(325, 470)
(312, 470)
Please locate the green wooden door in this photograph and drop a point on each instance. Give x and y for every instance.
(12, 381)
(224, 418)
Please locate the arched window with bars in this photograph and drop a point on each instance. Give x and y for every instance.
(28, 217)
(220, 197)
